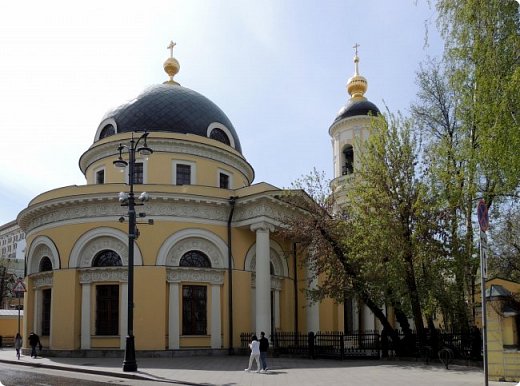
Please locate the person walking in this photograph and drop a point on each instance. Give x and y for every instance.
(255, 354)
(264, 346)
(18, 344)
(34, 340)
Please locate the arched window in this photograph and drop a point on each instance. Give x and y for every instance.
(107, 131)
(195, 259)
(107, 258)
(348, 159)
(45, 264)
(219, 135)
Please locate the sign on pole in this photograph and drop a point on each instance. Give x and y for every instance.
(483, 217)
(19, 287)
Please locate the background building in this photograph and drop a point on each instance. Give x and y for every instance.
(12, 252)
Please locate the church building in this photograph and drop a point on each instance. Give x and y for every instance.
(207, 264)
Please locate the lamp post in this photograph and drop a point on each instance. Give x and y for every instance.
(129, 363)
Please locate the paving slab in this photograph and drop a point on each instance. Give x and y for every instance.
(229, 371)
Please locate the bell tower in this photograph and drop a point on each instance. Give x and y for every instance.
(351, 123)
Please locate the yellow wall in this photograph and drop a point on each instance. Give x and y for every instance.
(65, 323)
(150, 287)
(9, 325)
(503, 361)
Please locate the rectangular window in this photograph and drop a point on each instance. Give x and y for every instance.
(138, 173)
(194, 310)
(107, 309)
(46, 312)
(100, 176)
(224, 181)
(183, 174)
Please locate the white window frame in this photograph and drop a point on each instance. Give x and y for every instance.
(193, 171)
(96, 171)
(144, 161)
(230, 178)
(217, 125)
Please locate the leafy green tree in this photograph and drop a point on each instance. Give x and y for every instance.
(320, 231)
(504, 259)
(450, 172)
(482, 45)
(393, 221)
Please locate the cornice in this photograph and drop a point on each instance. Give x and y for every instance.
(350, 122)
(163, 206)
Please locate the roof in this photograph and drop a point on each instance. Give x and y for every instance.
(170, 108)
(356, 107)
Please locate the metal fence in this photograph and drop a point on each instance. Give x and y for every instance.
(331, 344)
(368, 345)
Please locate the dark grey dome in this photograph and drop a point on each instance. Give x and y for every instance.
(170, 108)
(357, 107)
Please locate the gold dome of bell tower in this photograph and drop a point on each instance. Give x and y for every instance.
(357, 85)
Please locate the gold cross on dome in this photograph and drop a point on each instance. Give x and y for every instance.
(356, 47)
(170, 47)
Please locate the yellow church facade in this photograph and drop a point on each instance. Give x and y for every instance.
(208, 265)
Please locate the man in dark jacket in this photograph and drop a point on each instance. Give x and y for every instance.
(264, 346)
(34, 340)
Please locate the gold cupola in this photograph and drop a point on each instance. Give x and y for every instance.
(357, 85)
(171, 65)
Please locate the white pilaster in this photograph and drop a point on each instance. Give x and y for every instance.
(313, 308)
(123, 311)
(216, 328)
(276, 309)
(173, 317)
(37, 326)
(85, 316)
(263, 278)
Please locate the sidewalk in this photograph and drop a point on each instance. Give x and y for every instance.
(229, 370)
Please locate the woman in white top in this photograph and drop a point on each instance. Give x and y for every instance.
(255, 354)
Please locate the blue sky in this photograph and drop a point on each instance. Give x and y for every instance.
(278, 69)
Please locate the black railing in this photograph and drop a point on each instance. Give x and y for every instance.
(369, 345)
(320, 345)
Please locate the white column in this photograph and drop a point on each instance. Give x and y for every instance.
(173, 317)
(313, 308)
(369, 319)
(263, 278)
(123, 311)
(85, 316)
(276, 308)
(355, 315)
(216, 329)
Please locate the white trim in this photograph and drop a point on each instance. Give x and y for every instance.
(42, 246)
(173, 317)
(218, 125)
(139, 160)
(85, 316)
(103, 124)
(90, 243)
(193, 171)
(215, 327)
(212, 245)
(276, 256)
(230, 178)
(96, 171)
